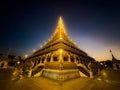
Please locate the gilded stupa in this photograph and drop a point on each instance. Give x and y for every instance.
(60, 56)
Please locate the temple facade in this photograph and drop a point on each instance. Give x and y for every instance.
(60, 53)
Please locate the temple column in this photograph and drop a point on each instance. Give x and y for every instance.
(69, 60)
(40, 60)
(60, 56)
(51, 59)
(75, 59)
(45, 59)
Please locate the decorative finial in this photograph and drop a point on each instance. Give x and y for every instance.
(113, 58)
(60, 25)
(60, 22)
(110, 51)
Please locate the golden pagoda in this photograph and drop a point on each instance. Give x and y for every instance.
(60, 56)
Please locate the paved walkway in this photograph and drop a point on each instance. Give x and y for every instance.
(47, 84)
(41, 83)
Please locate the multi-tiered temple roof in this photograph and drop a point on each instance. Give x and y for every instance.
(59, 41)
(60, 53)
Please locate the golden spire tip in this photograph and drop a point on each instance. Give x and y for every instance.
(60, 20)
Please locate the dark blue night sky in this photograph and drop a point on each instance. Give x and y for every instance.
(93, 25)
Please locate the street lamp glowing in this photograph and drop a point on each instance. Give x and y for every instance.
(18, 62)
(104, 73)
(41, 46)
(26, 55)
(34, 50)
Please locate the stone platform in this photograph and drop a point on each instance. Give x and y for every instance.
(61, 75)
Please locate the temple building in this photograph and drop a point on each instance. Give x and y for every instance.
(115, 62)
(60, 57)
(7, 61)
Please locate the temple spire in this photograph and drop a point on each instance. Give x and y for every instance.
(60, 25)
(60, 21)
(113, 58)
